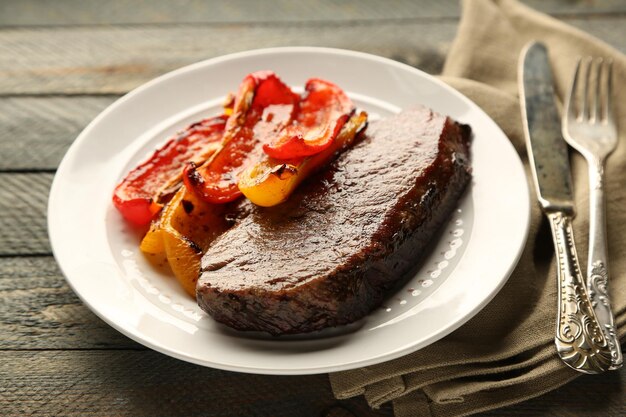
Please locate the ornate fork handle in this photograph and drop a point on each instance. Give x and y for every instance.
(579, 340)
(597, 266)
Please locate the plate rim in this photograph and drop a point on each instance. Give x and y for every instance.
(84, 135)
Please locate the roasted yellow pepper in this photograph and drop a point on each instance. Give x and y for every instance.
(270, 181)
(184, 231)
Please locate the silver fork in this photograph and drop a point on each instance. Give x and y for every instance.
(589, 127)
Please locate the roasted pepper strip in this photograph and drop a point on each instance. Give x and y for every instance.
(322, 113)
(264, 105)
(271, 181)
(185, 229)
(139, 197)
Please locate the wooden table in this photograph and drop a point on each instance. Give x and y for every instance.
(63, 62)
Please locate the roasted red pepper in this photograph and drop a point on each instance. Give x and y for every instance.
(321, 114)
(139, 196)
(264, 105)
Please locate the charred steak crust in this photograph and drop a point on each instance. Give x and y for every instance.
(328, 255)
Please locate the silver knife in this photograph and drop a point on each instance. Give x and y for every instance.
(579, 340)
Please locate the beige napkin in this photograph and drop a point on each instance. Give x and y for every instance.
(506, 353)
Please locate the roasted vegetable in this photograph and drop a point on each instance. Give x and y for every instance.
(320, 115)
(185, 230)
(141, 194)
(267, 142)
(264, 105)
(270, 181)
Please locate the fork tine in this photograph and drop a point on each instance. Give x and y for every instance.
(594, 106)
(608, 113)
(570, 107)
(584, 102)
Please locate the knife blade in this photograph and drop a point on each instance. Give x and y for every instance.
(579, 340)
(547, 150)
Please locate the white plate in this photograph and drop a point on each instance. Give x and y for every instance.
(100, 258)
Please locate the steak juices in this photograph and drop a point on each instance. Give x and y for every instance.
(326, 253)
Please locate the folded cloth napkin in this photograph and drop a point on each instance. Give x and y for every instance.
(506, 353)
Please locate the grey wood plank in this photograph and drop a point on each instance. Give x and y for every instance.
(72, 12)
(23, 201)
(40, 311)
(146, 383)
(113, 60)
(37, 131)
(40, 318)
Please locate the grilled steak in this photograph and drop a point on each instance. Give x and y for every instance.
(329, 254)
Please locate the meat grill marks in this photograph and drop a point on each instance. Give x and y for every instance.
(329, 254)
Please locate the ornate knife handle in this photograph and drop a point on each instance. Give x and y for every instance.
(580, 342)
(597, 266)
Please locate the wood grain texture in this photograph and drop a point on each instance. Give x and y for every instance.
(146, 383)
(41, 318)
(58, 358)
(74, 12)
(113, 60)
(40, 311)
(37, 131)
(23, 203)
